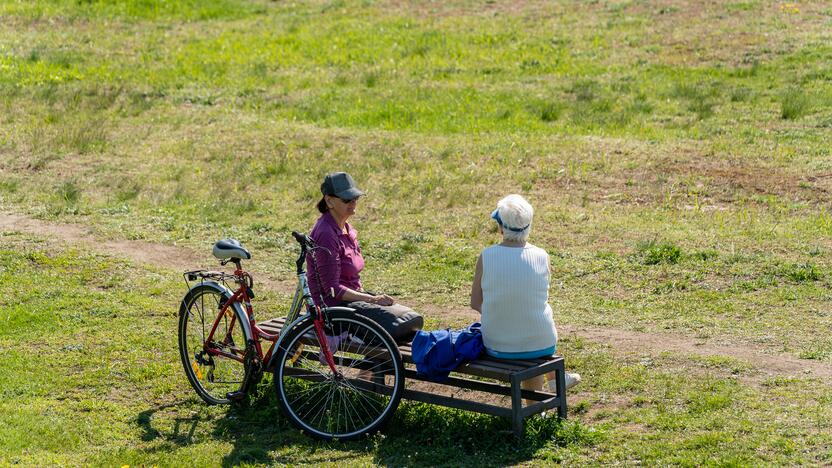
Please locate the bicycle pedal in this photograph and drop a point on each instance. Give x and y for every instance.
(236, 397)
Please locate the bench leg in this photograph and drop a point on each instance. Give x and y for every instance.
(560, 376)
(516, 407)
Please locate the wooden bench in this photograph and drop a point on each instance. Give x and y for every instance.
(503, 378)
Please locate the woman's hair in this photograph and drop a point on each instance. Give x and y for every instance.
(515, 215)
(322, 205)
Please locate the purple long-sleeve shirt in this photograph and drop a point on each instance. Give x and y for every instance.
(340, 268)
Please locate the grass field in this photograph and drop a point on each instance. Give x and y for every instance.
(677, 154)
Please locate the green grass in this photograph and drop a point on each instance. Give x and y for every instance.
(183, 10)
(794, 104)
(677, 160)
(91, 361)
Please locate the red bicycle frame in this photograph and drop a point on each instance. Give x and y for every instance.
(242, 295)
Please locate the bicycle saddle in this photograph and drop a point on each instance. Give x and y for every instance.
(230, 248)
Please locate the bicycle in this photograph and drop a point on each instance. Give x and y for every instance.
(338, 375)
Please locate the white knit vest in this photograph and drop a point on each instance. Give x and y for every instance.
(516, 316)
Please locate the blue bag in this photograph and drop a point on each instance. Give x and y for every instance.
(438, 352)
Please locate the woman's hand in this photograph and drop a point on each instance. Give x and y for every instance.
(383, 300)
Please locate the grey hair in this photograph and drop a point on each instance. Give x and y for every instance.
(515, 212)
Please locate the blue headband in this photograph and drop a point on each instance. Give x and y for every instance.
(495, 215)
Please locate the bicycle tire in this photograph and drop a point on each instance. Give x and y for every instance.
(329, 407)
(212, 377)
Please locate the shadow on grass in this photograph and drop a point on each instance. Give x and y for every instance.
(189, 424)
(422, 434)
(418, 434)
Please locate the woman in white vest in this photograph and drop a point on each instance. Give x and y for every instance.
(511, 291)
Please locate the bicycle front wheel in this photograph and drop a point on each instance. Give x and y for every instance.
(214, 368)
(356, 400)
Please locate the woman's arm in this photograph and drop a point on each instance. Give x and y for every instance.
(328, 261)
(350, 295)
(329, 267)
(476, 287)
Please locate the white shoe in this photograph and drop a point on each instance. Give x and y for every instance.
(572, 379)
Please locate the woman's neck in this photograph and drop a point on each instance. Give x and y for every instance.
(342, 223)
(512, 243)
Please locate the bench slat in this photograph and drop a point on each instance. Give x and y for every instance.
(451, 402)
(480, 386)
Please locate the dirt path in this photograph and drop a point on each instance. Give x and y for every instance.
(651, 344)
(166, 256)
(177, 258)
(622, 341)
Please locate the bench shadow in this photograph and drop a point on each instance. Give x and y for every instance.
(422, 434)
(418, 434)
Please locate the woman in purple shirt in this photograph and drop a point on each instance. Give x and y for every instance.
(340, 267)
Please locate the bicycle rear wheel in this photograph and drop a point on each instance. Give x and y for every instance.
(210, 369)
(355, 402)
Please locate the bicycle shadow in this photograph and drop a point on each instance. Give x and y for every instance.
(144, 420)
(257, 432)
(418, 434)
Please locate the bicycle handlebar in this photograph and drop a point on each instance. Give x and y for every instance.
(307, 244)
(303, 239)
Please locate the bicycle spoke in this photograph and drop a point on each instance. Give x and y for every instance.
(315, 400)
(201, 309)
(368, 413)
(303, 393)
(320, 414)
(317, 370)
(376, 366)
(363, 397)
(348, 405)
(341, 404)
(311, 386)
(327, 387)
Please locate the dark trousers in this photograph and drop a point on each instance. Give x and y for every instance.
(401, 322)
